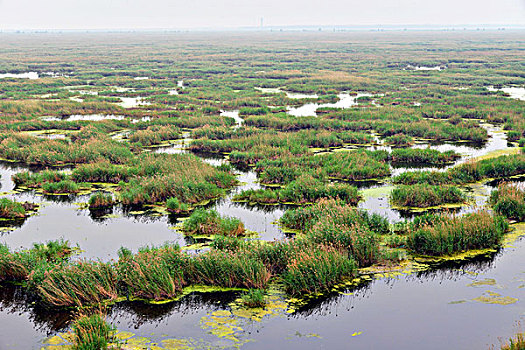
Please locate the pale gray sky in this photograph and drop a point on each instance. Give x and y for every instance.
(176, 14)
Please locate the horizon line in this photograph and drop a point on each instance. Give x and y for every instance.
(310, 27)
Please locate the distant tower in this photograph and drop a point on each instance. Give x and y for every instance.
(262, 19)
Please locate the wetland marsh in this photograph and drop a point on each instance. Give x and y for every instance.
(365, 189)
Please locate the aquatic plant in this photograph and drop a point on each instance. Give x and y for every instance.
(334, 223)
(154, 135)
(176, 207)
(498, 167)
(259, 196)
(395, 241)
(253, 110)
(357, 165)
(254, 298)
(306, 217)
(357, 240)
(308, 189)
(64, 186)
(34, 150)
(102, 171)
(423, 196)
(452, 234)
(17, 266)
(92, 332)
(80, 283)
(100, 200)
(222, 132)
(422, 156)
(154, 273)
(424, 177)
(305, 189)
(10, 209)
(159, 177)
(515, 343)
(317, 270)
(32, 180)
(509, 201)
(229, 269)
(209, 222)
(399, 140)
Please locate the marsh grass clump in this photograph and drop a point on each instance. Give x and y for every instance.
(17, 266)
(395, 241)
(229, 243)
(102, 171)
(333, 223)
(46, 152)
(10, 209)
(358, 240)
(63, 187)
(145, 179)
(317, 270)
(80, 283)
(254, 298)
(515, 343)
(225, 268)
(33, 180)
(253, 110)
(259, 196)
(451, 234)
(154, 134)
(100, 201)
(154, 273)
(355, 165)
(499, 167)
(305, 189)
(399, 140)
(424, 177)
(159, 177)
(209, 222)
(509, 201)
(305, 218)
(92, 332)
(423, 156)
(423, 196)
(174, 206)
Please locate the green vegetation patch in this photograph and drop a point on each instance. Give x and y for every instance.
(424, 196)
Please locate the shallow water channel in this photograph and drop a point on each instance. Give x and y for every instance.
(465, 306)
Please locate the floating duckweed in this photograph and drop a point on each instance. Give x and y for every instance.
(121, 335)
(463, 256)
(222, 324)
(518, 230)
(383, 191)
(177, 344)
(275, 305)
(484, 282)
(221, 313)
(495, 298)
(55, 340)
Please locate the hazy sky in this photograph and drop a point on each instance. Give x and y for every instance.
(142, 14)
